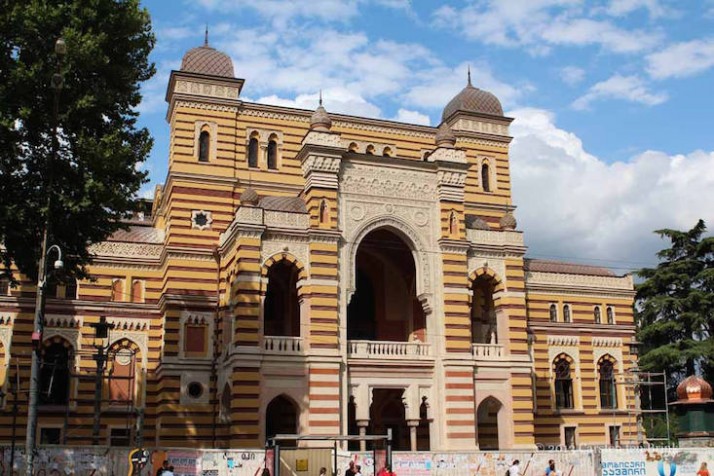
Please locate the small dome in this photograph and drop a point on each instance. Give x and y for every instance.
(472, 99)
(475, 222)
(445, 136)
(320, 120)
(249, 197)
(694, 389)
(508, 222)
(207, 60)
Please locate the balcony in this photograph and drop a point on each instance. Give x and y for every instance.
(488, 351)
(368, 349)
(280, 345)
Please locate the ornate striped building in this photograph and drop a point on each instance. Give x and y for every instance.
(315, 273)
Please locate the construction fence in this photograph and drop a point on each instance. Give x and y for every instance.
(105, 461)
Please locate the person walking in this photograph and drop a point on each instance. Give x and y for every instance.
(168, 472)
(515, 469)
(550, 469)
(359, 470)
(351, 470)
(323, 471)
(164, 467)
(703, 471)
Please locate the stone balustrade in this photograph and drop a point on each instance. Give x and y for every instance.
(282, 345)
(488, 351)
(368, 349)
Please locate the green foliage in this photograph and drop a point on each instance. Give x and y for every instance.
(675, 306)
(95, 176)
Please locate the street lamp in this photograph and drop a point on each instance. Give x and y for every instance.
(56, 84)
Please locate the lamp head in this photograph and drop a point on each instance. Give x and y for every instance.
(60, 47)
(59, 264)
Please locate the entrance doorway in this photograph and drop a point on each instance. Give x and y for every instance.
(487, 424)
(281, 418)
(387, 413)
(384, 306)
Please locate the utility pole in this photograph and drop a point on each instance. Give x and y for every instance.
(38, 325)
(101, 332)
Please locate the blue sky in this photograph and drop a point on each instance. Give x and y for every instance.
(612, 99)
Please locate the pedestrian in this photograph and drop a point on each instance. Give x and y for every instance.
(168, 472)
(515, 469)
(388, 471)
(266, 472)
(359, 471)
(550, 469)
(351, 470)
(323, 471)
(703, 471)
(164, 467)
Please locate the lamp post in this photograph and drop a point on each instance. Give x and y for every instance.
(56, 85)
(101, 332)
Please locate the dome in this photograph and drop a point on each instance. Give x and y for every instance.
(320, 120)
(508, 222)
(694, 389)
(249, 197)
(445, 136)
(207, 60)
(475, 222)
(472, 99)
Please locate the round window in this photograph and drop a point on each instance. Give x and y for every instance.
(195, 390)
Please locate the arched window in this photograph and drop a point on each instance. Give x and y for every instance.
(54, 374)
(370, 149)
(485, 177)
(117, 290)
(566, 313)
(122, 375)
(51, 287)
(272, 153)
(70, 288)
(204, 144)
(553, 313)
(563, 383)
(610, 315)
(453, 224)
(137, 291)
(425, 158)
(597, 315)
(608, 390)
(387, 152)
(253, 151)
(352, 147)
(324, 212)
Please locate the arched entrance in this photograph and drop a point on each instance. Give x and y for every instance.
(387, 412)
(281, 418)
(55, 373)
(484, 325)
(281, 316)
(384, 306)
(487, 424)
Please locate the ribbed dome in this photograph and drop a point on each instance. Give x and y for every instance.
(207, 60)
(472, 99)
(445, 136)
(320, 120)
(694, 389)
(508, 222)
(249, 197)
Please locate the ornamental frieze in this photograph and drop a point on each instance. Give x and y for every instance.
(204, 89)
(383, 182)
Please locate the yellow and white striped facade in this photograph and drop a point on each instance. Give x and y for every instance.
(214, 274)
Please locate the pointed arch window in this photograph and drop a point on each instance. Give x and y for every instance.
(70, 288)
(553, 312)
(608, 390)
(137, 291)
(272, 153)
(566, 313)
(117, 290)
(204, 146)
(324, 213)
(597, 314)
(253, 151)
(563, 383)
(610, 315)
(54, 374)
(485, 177)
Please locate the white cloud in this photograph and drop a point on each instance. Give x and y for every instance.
(413, 117)
(682, 59)
(336, 99)
(539, 24)
(153, 91)
(628, 88)
(573, 204)
(572, 75)
(620, 8)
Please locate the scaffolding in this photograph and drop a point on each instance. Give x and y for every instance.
(645, 398)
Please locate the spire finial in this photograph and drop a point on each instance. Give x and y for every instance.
(469, 74)
(320, 97)
(205, 38)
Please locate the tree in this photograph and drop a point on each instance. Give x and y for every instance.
(675, 306)
(94, 179)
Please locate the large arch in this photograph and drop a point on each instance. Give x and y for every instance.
(410, 237)
(282, 416)
(489, 322)
(281, 315)
(385, 305)
(490, 425)
(125, 372)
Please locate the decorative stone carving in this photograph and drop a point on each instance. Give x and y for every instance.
(495, 238)
(442, 154)
(140, 338)
(205, 106)
(327, 139)
(203, 89)
(572, 341)
(124, 250)
(473, 125)
(320, 163)
(383, 182)
(201, 219)
(6, 340)
(614, 342)
(579, 281)
(272, 246)
(277, 219)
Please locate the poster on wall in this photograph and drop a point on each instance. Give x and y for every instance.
(657, 461)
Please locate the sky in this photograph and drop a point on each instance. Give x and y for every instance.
(612, 99)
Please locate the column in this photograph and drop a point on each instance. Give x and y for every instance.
(362, 425)
(413, 424)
